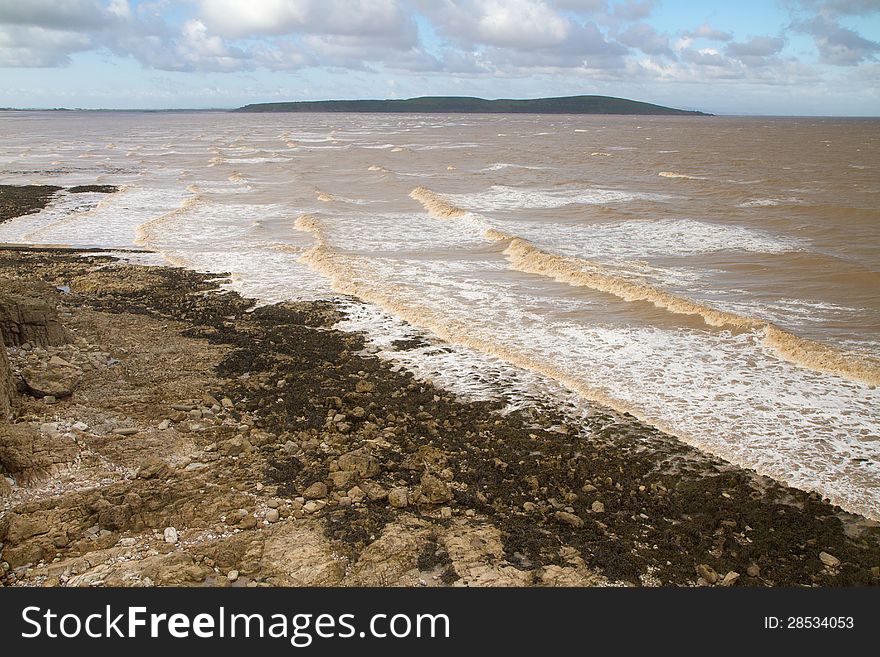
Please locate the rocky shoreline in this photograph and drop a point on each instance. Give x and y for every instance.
(165, 432)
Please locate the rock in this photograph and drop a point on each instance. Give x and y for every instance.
(226, 402)
(358, 412)
(312, 506)
(829, 560)
(28, 316)
(126, 431)
(754, 570)
(316, 491)
(364, 386)
(235, 446)
(374, 491)
(58, 382)
(360, 461)
(232, 575)
(433, 490)
(446, 512)
(597, 507)
(344, 501)
(707, 573)
(398, 497)
(568, 519)
(164, 424)
(272, 515)
(730, 578)
(171, 535)
(529, 507)
(49, 399)
(7, 388)
(154, 468)
(356, 494)
(343, 479)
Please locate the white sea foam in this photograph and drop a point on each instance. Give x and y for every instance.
(501, 197)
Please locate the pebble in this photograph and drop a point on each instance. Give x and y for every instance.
(232, 575)
(754, 570)
(126, 431)
(707, 573)
(730, 578)
(569, 519)
(273, 504)
(164, 424)
(171, 535)
(272, 515)
(598, 507)
(829, 560)
(446, 512)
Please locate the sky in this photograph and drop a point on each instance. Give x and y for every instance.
(783, 57)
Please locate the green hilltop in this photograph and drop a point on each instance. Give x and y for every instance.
(468, 105)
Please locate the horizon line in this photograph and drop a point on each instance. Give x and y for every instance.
(232, 109)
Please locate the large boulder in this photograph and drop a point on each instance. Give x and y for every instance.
(56, 379)
(28, 314)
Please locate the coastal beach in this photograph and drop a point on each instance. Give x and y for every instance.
(196, 437)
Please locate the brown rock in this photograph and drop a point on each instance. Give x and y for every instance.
(28, 314)
(29, 456)
(360, 461)
(568, 519)
(433, 490)
(730, 578)
(754, 570)
(343, 479)
(235, 446)
(7, 389)
(154, 468)
(374, 491)
(53, 381)
(316, 491)
(398, 497)
(829, 560)
(707, 573)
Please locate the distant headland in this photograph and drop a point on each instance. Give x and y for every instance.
(469, 105)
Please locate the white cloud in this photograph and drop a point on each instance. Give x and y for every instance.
(33, 47)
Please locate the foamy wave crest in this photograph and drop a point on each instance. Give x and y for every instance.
(527, 258)
(502, 197)
(376, 167)
(673, 174)
(436, 205)
(146, 232)
(766, 202)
